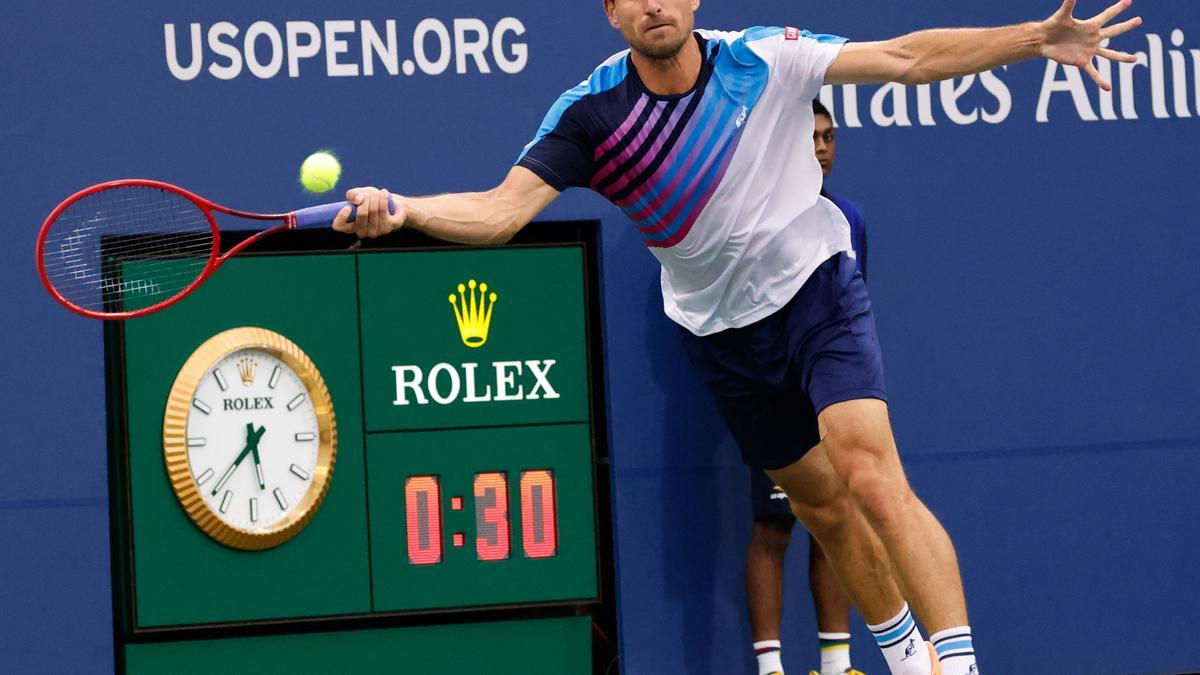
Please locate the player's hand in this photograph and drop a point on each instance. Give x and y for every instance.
(379, 213)
(1077, 43)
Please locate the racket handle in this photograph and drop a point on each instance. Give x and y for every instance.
(323, 215)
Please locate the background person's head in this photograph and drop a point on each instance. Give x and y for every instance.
(824, 137)
(656, 29)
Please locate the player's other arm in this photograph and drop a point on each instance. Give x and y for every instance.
(490, 217)
(933, 55)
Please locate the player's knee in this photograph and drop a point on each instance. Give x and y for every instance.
(827, 516)
(881, 498)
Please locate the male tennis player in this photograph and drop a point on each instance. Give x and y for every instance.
(773, 518)
(704, 139)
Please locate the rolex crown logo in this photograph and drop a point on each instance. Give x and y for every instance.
(473, 312)
(245, 368)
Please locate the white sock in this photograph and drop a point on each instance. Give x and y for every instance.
(955, 651)
(767, 652)
(835, 653)
(903, 647)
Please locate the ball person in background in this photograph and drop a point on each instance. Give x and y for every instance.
(773, 518)
(703, 138)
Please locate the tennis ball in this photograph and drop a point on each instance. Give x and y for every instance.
(320, 172)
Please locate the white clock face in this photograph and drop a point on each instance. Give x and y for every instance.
(252, 440)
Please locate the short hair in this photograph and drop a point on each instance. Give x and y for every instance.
(820, 109)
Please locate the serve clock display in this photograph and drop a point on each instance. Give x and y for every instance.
(249, 438)
(493, 521)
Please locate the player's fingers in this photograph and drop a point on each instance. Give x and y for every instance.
(359, 194)
(1112, 12)
(339, 222)
(381, 221)
(1090, 69)
(1123, 27)
(373, 220)
(355, 196)
(386, 209)
(1068, 8)
(1112, 55)
(363, 214)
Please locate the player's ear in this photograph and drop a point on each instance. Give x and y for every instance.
(695, 5)
(610, 10)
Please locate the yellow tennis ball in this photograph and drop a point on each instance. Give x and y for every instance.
(320, 172)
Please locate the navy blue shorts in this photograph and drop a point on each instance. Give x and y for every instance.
(771, 377)
(767, 499)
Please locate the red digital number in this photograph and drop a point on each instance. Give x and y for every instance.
(491, 516)
(539, 521)
(423, 499)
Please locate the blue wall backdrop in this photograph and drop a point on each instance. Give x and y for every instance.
(1033, 251)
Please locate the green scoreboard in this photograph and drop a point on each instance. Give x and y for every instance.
(361, 460)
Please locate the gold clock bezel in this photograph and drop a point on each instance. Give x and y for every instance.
(179, 405)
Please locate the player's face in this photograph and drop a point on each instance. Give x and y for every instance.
(656, 29)
(825, 138)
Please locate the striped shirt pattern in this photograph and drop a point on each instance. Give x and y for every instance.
(699, 174)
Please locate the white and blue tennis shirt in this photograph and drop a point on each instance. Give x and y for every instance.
(722, 182)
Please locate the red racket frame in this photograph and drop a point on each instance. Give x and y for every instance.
(214, 259)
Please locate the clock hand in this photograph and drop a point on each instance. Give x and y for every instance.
(229, 472)
(254, 451)
(251, 446)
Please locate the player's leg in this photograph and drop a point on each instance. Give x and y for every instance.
(829, 598)
(830, 601)
(823, 503)
(753, 374)
(773, 522)
(832, 607)
(858, 440)
(859, 443)
(832, 330)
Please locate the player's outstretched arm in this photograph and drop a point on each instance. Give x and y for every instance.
(491, 217)
(933, 55)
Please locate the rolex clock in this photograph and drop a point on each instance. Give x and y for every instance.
(249, 438)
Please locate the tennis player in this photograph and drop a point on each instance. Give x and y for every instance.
(704, 139)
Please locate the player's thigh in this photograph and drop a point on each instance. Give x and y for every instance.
(810, 481)
(858, 441)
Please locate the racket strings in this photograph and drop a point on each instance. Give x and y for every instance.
(126, 248)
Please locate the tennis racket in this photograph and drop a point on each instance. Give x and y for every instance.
(128, 248)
